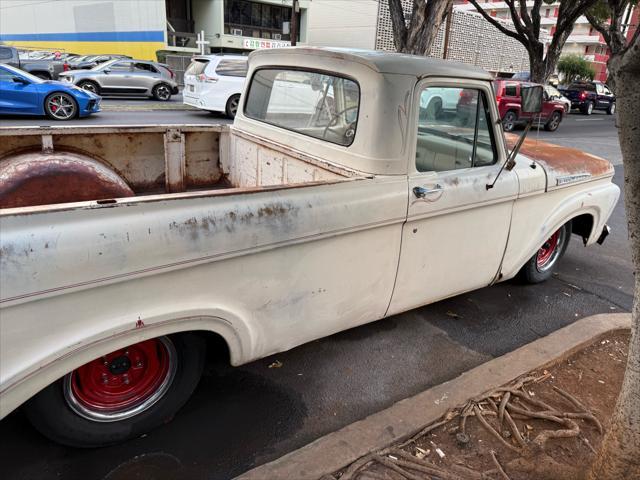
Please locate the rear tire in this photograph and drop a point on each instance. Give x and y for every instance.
(540, 267)
(162, 92)
(509, 121)
(74, 419)
(232, 106)
(588, 108)
(554, 122)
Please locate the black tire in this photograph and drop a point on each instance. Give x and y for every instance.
(90, 86)
(232, 106)
(50, 411)
(554, 122)
(509, 121)
(533, 272)
(611, 109)
(70, 108)
(162, 92)
(588, 108)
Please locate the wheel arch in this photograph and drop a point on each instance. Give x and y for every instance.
(588, 208)
(223, 326)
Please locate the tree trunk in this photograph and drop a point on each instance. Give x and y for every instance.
(418, 36)
(619, 454)
(537, 65)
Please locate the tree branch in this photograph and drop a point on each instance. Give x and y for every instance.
(521, 38)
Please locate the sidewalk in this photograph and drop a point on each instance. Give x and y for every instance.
(407, 417)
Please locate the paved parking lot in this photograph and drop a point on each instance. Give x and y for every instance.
(245, 416)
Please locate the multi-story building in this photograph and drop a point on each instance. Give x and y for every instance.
(141, 28)
(584, 39)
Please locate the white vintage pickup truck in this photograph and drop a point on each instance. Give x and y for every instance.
(121, 248)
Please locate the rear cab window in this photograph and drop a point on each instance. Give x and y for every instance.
(5, 53)
(316, 104)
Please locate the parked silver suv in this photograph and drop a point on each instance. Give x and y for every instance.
(126, 77)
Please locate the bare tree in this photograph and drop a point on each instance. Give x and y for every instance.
(619, 455)
(527, 30)
(416, 34)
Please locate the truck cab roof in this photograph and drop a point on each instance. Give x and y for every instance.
(381, 62)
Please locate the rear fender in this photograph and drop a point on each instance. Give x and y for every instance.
(229, 326)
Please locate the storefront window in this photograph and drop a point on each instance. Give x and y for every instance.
(254, 19)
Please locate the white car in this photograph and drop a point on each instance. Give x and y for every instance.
(554, 94)
(214, 82)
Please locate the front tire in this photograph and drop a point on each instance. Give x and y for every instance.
(540, 267)
(611, 109)
(90, 86)
(162, 92)
(121, 395)
(60, 106)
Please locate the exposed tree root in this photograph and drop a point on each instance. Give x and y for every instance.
(497, 412)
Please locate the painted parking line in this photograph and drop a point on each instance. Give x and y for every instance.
(589, 119)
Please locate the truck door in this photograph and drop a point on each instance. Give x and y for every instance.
(118, 78)
(456, 230)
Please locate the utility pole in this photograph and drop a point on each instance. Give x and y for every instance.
(295, 13)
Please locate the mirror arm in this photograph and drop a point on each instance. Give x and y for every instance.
(511, 158)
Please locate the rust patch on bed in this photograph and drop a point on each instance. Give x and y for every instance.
(562, 160)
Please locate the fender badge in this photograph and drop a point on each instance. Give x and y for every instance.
(572, 178)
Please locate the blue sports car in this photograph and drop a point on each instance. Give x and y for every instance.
(23, 94)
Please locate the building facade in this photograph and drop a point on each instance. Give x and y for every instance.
(142, 28)
(584, 39)
(472, 40)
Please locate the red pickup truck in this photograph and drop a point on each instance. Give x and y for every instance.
(509, 106)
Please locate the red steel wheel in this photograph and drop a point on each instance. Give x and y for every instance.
(550, 251)
(122, 383)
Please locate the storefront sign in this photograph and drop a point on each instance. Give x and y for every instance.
(255, 43)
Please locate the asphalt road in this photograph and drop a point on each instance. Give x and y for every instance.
(242, 417)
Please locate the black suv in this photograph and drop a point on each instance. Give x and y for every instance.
(590, 96)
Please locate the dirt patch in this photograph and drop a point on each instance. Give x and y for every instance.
(547, 424)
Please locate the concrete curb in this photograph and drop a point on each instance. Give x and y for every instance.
(405, 418)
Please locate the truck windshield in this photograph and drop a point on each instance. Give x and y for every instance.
(316, 104)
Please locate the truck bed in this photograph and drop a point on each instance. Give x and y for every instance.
(162, 160)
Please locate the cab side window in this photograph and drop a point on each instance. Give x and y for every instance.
(454, 130)
(145, 67)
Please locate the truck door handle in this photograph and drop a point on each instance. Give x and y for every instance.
(422, 192)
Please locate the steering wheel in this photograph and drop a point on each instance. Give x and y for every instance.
(335, 118)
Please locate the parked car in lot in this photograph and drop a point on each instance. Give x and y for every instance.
(214, 82)
(283, 228)
(24, 94)
(87, 62)
(126, 77)
(508, 96)
(590, 96)
(41, 68)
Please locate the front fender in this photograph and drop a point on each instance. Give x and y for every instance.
(535, 218)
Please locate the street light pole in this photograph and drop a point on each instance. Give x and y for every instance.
(295, 11)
